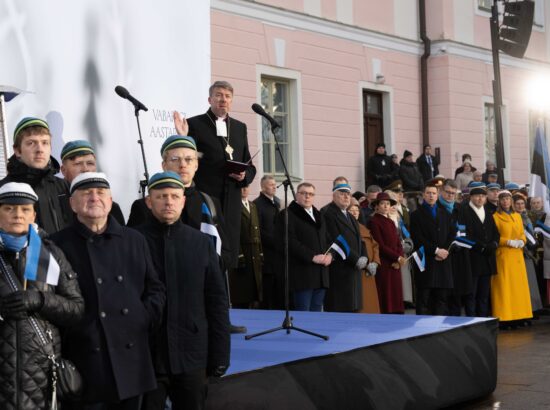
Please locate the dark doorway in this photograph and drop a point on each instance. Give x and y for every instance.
(373, 131)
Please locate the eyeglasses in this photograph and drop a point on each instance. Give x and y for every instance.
(307, 194)
(181, 160)
(449, 192)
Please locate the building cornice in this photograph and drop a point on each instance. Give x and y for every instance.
(294, 20)
(299, 21)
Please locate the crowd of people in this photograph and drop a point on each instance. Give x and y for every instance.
(141, 307)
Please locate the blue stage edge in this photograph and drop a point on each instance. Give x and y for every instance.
(369, 362)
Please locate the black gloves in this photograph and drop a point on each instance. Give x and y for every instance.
(18, 304)
(217, 371)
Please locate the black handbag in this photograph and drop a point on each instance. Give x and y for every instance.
(67, 379)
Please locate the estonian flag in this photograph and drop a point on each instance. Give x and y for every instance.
(543, 229)
(208, 227)
(41, 266)
(463, 242)
(420, 258)
(341, 246)
(540, 174)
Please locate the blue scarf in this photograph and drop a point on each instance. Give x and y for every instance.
(431, 209)
(449, 206)
(13, 243)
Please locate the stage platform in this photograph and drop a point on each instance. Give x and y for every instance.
(369, 362)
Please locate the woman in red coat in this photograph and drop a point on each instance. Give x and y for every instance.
(388, 278)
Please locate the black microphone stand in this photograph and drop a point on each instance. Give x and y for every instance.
(142, 183)
(288, 320)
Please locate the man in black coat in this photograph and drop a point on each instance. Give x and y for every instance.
(381, 169)
(432, 228)
(481, 228)
(428, 165)
(221, 138)
(124, 300)
(344, 293)
(193, 341)
(461, 293)
(409, 174)
(179, 155)
(307, 247)
(33, 164)
(268, 206)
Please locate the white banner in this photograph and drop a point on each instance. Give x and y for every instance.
(70, 55)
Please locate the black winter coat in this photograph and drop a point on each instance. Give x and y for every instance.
(483, 255)
(24, 375)
(306, 239)
(433, 233)
(124, 303)
(344, 294)
(53, 212)
(191, 215)
(212, 176)
(425, 168)
(195, 328)
(381, 170)
(410, 176)
(267, 212)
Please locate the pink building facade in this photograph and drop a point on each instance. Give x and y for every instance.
(339, 74)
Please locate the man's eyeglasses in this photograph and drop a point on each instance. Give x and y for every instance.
(449, 192)
(181, 160)
(307, 194)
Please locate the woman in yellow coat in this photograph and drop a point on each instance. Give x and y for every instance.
(510, 296)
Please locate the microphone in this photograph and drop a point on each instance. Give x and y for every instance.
(124, 93)
(258, 109)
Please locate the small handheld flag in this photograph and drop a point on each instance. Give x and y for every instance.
(463, 242)
(341, 246)
(529, 234)
(543, 229)
(208, 227)
(420, 258)
(40, 266)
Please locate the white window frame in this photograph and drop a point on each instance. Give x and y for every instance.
(295, 130)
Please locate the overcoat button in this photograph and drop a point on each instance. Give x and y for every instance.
(124, 311)
(103, 315)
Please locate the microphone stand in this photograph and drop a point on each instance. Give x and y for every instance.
(288, 320)
(142, 183)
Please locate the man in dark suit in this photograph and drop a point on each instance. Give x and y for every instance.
(245, 280)
(193, 341)
(428, 165)
(481, 228)
(344, 294)
(307, 247)
(220, 138)
(432, 228)
(123, 295)
(268, 206)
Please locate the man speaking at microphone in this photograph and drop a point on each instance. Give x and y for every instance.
(221, 138)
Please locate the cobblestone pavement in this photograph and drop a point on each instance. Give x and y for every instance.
(523, 370)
